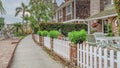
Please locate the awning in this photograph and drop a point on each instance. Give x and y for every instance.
(103, 14)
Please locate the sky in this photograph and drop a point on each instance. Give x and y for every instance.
(10, 6)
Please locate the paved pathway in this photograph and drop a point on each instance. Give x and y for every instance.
(29, 55)
(6, 51)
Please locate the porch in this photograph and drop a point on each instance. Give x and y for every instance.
(100, 21)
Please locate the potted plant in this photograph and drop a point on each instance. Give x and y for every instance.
(44, 34)
(40, 37)
(76, 37)
(94, 25)
(53, 34)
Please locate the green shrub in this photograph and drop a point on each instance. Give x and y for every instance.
(83, 35)
(39, 33)
(53, 34)
(44, 33)
(64, 27)
(74, 36)
(109, 30)
(77, 36)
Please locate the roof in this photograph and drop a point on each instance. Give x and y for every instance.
(103, 14)
(63, 4)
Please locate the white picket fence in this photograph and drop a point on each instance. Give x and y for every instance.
(62, 48)
(37, 37)
(91, 57)
(47, 42)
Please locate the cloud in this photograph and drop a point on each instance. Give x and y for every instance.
(10, 6)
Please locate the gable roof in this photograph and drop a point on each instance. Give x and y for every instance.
(103, 14)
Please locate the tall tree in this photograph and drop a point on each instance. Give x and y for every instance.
(22, 9)
(1, 25)
(17, 27)
(41, 9)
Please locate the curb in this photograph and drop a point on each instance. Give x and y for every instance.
(9, 63)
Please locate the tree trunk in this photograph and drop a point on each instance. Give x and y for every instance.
(41, 40)
(51, 42)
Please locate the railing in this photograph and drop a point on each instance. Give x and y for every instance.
(87, 56)
(91, 57)
(62, 48)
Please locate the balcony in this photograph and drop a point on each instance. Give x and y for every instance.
(109, 6)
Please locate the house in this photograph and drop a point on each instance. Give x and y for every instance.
(104, 15)
(72, 11)
(96, 13)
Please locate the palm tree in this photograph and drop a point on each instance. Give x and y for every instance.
(18, 26)
(2, 10)
(23, 9)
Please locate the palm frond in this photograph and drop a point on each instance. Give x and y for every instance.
(18, 8)
(2, 10)
(17, 12)
(23, 5)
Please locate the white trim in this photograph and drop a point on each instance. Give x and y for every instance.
(56, 17)
(101, 17)
(68, 13)
(60, 13)
(66, 3)
(89, 28)
(102, 26)
(73, 20)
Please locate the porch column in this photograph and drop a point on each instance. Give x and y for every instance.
(102, 26)
(88, 27)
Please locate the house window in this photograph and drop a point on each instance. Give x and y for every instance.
(69, 9)
(105, 26)
(60, 13)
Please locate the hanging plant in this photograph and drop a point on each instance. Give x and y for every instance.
(94, 25)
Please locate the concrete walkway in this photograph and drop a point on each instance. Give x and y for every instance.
(29, 55)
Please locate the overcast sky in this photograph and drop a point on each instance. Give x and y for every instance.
(10, 6)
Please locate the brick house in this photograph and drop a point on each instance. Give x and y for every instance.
(103, 12)
(72, 11)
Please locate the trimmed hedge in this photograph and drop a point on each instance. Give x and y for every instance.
(53, 34)
(77, 36)
(64, 28)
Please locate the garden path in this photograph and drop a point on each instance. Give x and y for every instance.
(29, 55)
